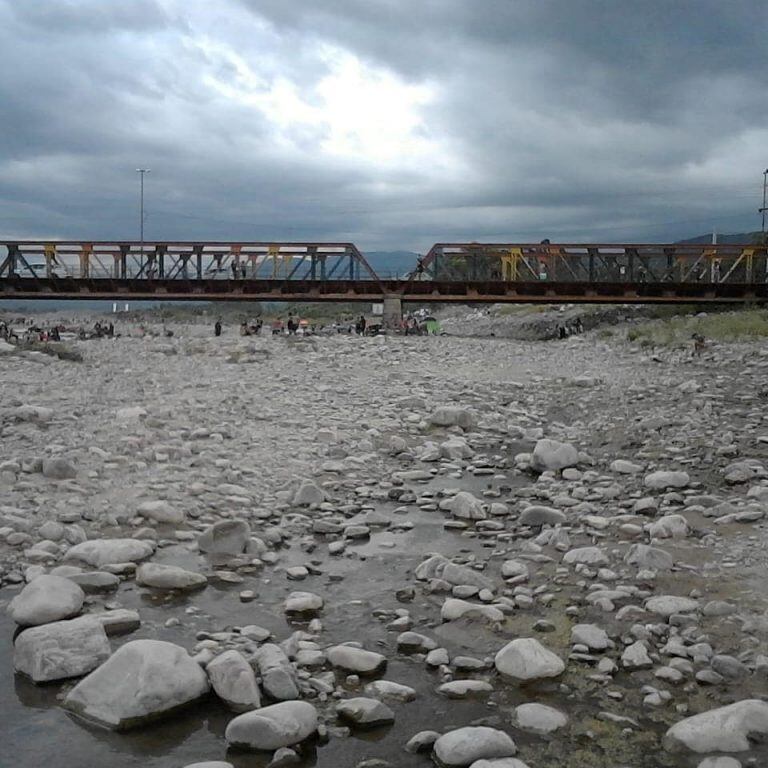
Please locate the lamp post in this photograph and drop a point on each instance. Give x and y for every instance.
(141, 172)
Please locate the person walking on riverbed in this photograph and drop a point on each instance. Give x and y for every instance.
(217, 328)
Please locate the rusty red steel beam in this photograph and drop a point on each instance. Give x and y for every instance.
(368, 290)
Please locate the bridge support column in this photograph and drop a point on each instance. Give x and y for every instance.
(393, 311)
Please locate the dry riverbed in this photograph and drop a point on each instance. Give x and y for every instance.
(371, 552)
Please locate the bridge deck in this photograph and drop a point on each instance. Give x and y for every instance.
(375, 291)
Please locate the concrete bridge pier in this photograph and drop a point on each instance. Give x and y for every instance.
(393, 311)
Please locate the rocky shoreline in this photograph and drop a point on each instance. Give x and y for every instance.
(510, 553)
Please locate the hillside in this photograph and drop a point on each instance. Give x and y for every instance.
(739, 238)
(391, 263)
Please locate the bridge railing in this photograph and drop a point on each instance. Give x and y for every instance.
(185, 261)
(586, 263)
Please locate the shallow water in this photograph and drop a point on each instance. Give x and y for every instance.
(37, 732)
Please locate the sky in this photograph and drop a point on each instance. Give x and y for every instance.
(389, 123)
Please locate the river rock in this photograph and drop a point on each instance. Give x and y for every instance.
(357, 660)
(666, 605)
(365, 713)
(168, 577)
(303, 603)
(308, 493)
(161, 512)
(58, 469)
(273, 727)
(725, 729)
(227, 537)
(46, 599)
(439, 567)
(453, 417)
(526, 659)
(454, 608)
(101, 552)
(277, 675)
(537, 516)
(539, 718)
(552, 455)
(61, 649)
(594, 637)
(465, 506)
(463, 746)
(386, 689)
(143, 680)
(234, 682)
(586, 556)
(669, 527)
(661, 480)
(647, 557)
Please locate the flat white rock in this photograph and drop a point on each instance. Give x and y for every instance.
(61, 649)
(526, 659)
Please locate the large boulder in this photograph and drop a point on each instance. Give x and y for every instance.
(269, 728)
(46, 599)
(526, 659)
(552, 455)
(725, 729)
(227, 537)
(143, 680)
(100, 552)
(168, 577)
(61, 649)
(356, 660)
(463, 746)
(234, 681)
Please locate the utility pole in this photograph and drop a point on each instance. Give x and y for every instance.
(764, 209)
(141, 172)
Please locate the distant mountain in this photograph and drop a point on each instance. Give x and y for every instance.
(738, 239)
(391, 263)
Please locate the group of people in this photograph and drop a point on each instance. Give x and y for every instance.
(564, 330)
(251, 327)
(99, 331)
(296, 326)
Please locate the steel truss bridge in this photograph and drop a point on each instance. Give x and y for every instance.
(449, 272)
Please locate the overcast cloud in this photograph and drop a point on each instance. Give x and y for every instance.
(392, 123)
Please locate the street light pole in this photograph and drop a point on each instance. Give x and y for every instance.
(141, 172)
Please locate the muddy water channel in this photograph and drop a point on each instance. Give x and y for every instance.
(359, 592)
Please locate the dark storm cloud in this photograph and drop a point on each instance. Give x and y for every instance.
(573, 119)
